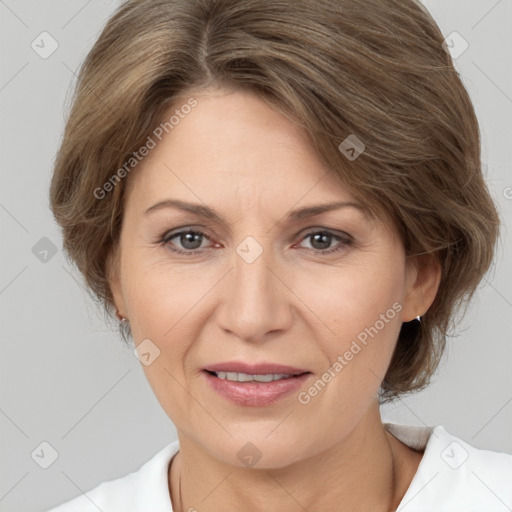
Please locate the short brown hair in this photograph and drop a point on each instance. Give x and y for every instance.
(377, 70)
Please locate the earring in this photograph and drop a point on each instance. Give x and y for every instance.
(121, 318)
(410, 330)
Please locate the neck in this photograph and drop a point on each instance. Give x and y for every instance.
(367, 470)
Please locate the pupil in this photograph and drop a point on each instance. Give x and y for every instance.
(188, 238)
(323, 239)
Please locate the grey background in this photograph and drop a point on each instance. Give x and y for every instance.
(65, 376)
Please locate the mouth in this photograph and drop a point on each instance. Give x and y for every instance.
(254, 385)
(259, 369)
(247, 377)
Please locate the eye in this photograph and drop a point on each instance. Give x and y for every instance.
(190, 241)
(322, 240)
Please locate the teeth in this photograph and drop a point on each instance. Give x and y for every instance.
(245, 377)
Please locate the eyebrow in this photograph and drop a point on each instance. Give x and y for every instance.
(293, 216)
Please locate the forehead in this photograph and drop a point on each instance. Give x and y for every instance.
(233, 144)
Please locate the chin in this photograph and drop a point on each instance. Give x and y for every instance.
(258, 450)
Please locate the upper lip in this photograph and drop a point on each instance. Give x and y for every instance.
(254, 369)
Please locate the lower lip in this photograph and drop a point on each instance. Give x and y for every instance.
(255, 394)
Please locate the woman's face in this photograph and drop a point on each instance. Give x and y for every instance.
(258, 283)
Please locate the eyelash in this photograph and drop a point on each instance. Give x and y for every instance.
(166, 238)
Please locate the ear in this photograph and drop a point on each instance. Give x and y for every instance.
(423, 275)
(114, 281)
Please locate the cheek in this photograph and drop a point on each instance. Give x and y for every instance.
(167, 302)
(164, 304)
(352, 299)
(161, 297)
(358, 311)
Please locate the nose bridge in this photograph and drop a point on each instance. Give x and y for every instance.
(255, 301)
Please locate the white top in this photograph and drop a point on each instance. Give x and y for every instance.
(453, 476)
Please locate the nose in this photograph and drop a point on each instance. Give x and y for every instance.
(256, 303)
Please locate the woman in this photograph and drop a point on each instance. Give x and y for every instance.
(283, 203)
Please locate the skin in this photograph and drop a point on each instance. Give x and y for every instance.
(250, 163)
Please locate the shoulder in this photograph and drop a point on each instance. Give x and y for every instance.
(456, 476)
(144, 489)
